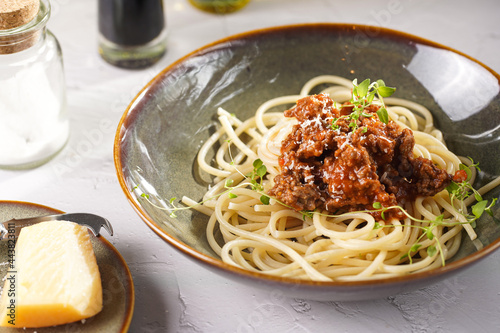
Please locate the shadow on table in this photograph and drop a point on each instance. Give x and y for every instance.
(155, 282)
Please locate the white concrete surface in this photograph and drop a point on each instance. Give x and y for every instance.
(173, 294)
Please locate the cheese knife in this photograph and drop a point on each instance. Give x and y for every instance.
(11, 229)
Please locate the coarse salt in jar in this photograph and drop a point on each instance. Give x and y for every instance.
(33, 121)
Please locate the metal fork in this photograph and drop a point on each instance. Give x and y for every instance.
(11, 229)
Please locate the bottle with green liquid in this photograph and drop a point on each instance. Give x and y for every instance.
(219, 6)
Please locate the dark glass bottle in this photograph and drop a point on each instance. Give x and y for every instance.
(131, 32)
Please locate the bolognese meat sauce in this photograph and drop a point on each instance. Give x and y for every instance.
(350, 168)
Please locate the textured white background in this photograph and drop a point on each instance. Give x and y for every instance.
(173, 294)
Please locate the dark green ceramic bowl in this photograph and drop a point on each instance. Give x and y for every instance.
(162, 129)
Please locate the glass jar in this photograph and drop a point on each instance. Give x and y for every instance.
(33, 119)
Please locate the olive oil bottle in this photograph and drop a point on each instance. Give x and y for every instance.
(219, 6)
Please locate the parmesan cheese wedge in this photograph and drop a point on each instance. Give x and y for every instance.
(54, 279)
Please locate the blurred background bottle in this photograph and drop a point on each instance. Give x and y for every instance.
(219, 6)
(131, 32)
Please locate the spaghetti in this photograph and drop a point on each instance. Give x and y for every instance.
(249, 229)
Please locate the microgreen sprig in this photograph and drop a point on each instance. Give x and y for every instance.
(362, 97)
(427, 231)
(463, 190)
(254, 179)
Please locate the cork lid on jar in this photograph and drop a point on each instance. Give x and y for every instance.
(14, 13)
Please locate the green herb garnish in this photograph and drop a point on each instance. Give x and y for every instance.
(464, 189)
(362, 97)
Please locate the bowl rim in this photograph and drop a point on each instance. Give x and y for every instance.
(222, 266)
